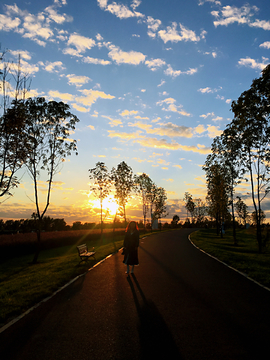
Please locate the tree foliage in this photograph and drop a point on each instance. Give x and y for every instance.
(251, 123)
(49, 127)
(143, 188)
(123, 180)
(241, 210)
(14, 133)
(217, 194)
(100, 186)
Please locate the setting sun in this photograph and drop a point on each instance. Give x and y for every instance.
(109, 205)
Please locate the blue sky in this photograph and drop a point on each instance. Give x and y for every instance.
(151, 82)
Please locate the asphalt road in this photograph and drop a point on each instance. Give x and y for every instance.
(180, 304)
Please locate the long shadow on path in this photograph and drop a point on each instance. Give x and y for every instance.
(155, 337)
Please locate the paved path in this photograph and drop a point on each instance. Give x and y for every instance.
(180, 304)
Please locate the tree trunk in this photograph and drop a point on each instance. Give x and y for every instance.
(234, 230)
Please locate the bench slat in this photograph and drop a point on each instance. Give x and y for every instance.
(84, 253)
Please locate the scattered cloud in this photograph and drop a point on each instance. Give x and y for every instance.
(170, 102)
(81, 44)
(55, 66)
(78, 81)
(62, 96)
(90, 60)
(173, 35)
(113, 122)
(248, 62)
(265, 45)
(128, 113)
(154, 64)
(120, 10)
(174, 73)
(231, 14)
(208, 90)
(123, 57)
(89, 97)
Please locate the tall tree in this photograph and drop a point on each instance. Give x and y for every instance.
(14, 133)
(143, 187)
(100, 186)
(241, 210)
(50, 125)
(225, 153)
(123, 180)
(160, 209)
(251, 122)
(189, 204)
(217, 194)
(152, 194)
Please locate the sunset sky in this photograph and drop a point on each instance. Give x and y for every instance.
(151, 81)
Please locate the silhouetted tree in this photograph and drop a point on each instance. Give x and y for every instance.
(123, 181)
(50, 125)
(241, 209)
(101, 185)
(14, 133)
(251, 123)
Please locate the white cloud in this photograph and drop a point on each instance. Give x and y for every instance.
(208, 90)
(91, 60)
(78, 81)
(123, 57)
(128, 113)
(152, 25)
(172, 34)
(213, 131)
(63, 96)
(265, 45)
(113, 122)
(53, 66)
(248, 62)
(89, 97)
(22, 53)
(80, 42)
(232, 14)
(206, 115)
(57, 18)
(7, 23)
(120, 10)
(170, 102)
(265, 25)
(154, 64)
(162, 83)
(216, 2)
(174, 73)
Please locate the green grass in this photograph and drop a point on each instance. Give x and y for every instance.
(22, 284)
(243, 257)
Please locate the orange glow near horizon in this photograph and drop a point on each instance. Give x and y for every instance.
(109, 206)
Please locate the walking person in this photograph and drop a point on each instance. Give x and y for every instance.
(131, 244)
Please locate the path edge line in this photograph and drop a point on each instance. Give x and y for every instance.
(230, 267)
(5, 327)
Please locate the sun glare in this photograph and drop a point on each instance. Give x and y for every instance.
(109, 205)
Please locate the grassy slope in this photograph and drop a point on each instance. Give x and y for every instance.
(244, 257)
(22, 284)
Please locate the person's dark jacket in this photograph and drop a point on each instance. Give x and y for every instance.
(131, 244)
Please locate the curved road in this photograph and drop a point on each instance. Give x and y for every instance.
(180, 304)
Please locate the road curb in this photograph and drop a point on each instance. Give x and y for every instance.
(230, 267)
(3, 328)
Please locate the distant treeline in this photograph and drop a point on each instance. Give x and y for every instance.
(50, 224)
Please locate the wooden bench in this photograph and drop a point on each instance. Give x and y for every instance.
(84, 254)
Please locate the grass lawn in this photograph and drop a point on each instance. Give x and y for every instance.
(243, 257)
(22, 285)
